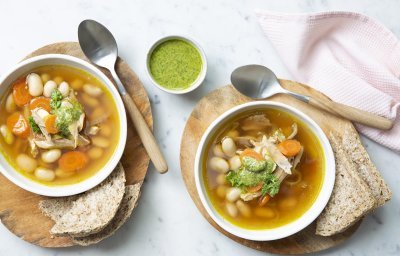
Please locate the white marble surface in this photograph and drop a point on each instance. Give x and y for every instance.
(166, 222)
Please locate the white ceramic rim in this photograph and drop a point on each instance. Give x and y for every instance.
(57, 191)
(200, 78)
(291, 228)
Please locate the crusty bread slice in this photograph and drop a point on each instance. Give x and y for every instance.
(355, 150)
(128, 203)
(351, 198)
(89, 212)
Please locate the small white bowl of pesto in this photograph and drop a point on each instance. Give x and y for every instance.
(176, 64)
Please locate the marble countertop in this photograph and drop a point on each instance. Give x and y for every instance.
(166, 222)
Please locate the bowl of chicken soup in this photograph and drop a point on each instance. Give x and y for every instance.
(264, 170)
(62, 123)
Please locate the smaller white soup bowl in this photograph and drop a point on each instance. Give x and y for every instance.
(286, 230)
(17, 178)
(199, 80)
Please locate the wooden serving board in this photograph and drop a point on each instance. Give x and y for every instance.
(19, 210)
(219, 101)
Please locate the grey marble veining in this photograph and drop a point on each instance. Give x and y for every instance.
(166, 222)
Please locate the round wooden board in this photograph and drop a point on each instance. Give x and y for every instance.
(219, 101)
(19, 210)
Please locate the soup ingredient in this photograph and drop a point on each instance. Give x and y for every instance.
(66, 116)
(26, 163)
(10, 104)
(233, 194)
(7, 134)
(219, 164)
(63, 88)
(40, 102)
(58, 80)
(56, 98)
(92, 90)
(50, 122)
(264, 212)
(45, 77)
(49, 87)
(100, 142)
(264, 200)
(20, 93)
(34, 126)
(51, 156)
(252, 154)
(96, 153)
(77, 84)
(232, 209)
(89, 212)
(175, 64)
(18, 125)
(228, 146)
(44, 174)
(234, 163)
(243, 208)
(217, 150)
(35, 84)
(72, 161)
(289, 147)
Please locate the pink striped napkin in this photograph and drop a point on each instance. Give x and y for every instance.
(351, 58)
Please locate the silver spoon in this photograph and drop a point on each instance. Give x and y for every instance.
(100, 47)
(259, 82)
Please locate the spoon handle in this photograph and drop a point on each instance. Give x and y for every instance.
(353, 114)
(142, 129)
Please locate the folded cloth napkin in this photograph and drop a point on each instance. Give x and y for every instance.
(350, 57)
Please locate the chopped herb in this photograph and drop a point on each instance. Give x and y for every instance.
(270, 186)
(56, 98)
(34, 125)
(66, 116)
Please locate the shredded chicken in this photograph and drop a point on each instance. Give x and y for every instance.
(297, 158)
(266, 147)
(250, 196)
(38, 115)
(58, 143)
(294, 131)
(255, 122)
(93, 130)
(34, 148)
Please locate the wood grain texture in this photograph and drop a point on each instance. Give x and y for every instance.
(219, 101)
(19, 210)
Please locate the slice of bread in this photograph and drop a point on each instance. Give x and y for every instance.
(355, 150)
(351, 198)
(89, 212)
(128, 203)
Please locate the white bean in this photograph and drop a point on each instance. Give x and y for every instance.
(10, 104)
(35, 84)
(105, 130)
(95, 153)
(92, 90)
(26, 163)
(77, 84)
(233, 194)
(235, 163)
(49, 87)
(264, 212)
(63, 174)
(233, 133)
(219, 164)
(92, 102)
(228, 146)
(58, 79)
(243, 208)
(231, 209)
(221, 179)
(44, 174)
(217, 150)
(7, 134)
(45, 77)
(64, 89)
(221, 191)
(101, 142)
(51, 155)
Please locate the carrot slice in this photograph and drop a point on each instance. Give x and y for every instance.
(18, 125)
(264, 200)
(40, 102)
(72, 161)
(251, 153)
(21, 93)
(255, 188)
(289, 147)
(50, 124)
